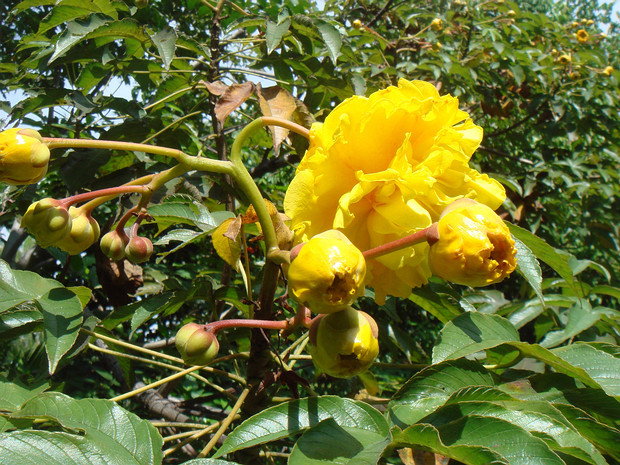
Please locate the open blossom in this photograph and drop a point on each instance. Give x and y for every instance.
(384, 167)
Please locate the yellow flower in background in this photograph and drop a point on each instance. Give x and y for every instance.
(582, 36)
(608, 70)
(327, 275)
(474, 246)
(383, 167)
(23, 156)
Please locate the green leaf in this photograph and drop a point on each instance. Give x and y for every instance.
(49, 448)
(167, 214)
(290, 418)
(601, 366)
(330, 443)
(165, 41)
(472, 332)
(556, 259)
(529, 268)
(62, 319)
(515, 445)
(209, 462)
(109, 430)
(433, 386)
(15, 394)
(274, 32)
(331, 37)
(426, 437)
(580, 318)
(76, 32)
(434, 304)
(606, 290)
(69, 10)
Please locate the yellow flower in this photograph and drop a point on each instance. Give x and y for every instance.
(474, 246)
(383, 167)
(564, 59)
(608, 70)
(328, 273)
(23, 156)
(582, 36)
(344, 344)
(437, 24)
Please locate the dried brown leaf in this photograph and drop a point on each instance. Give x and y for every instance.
(232, 99)
(276, 101)
(216, 87)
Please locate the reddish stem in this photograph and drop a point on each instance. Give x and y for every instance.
(102, 193)
(245, 323)
(412, 239)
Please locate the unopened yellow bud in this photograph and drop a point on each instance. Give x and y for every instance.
(48, 221)
(196, 344)
(437, 24)
(608, 70)
(436, 47)
(511, 13)
(328, 273)
(564, 59)
(474, 246)
(345, 343)
(23, 156)
(84, 232)
(357, 24)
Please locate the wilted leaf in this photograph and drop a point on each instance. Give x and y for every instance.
(215, 87)
(276, 101)
(231, 99)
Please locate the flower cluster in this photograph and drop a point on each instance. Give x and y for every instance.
(384, 167)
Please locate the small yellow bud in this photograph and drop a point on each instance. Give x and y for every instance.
(590, 22)
(84, 232)
(23, 156)
(113, 244)
(574, 24)
(474, 246)
(436, 47)
(511, 13)
(196, 344)
(602, 35)
(345, 343)
(48, 221)
(357, 24)
(328, 273)
(582, 36)
(437, 24)
(608, 70)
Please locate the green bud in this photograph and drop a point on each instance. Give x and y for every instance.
(47, 221)
(196, 344)
(113, 244)
(139, 249)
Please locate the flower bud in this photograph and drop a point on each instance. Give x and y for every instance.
(357, 24)
(48, 221)
(139, 249)
(437, 24)
(344, 344)
(473, 245)
(327, 275)
(196, 344)
(608, 70)
(23, 156)
(84, 232)
(113, 244)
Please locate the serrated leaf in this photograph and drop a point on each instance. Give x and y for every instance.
(165, 41)
(472, 332)
(228, 250)
(69, 10)
(433, 386)
(434, 304)
(114, 433)
(49, 448)
(290, 418)
(15, 394)
(556, 259)
(330, 443)
(601, 366)
(274, 32)
(62, 319)
(529, 268)
(331, 37)
(279, 102)
(427, 437)
(580, 318)
(76, 32)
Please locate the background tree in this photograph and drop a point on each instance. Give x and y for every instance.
(535, 357)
